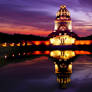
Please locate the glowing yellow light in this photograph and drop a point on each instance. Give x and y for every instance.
(55, 53)
(29, 43)
(55, 41)
(12, 44)
(52, 40)
(56, 68)
(67, 55)
(70, 67)
(82, 52)
(18, 44)
(46, 42)
(82, 42)
(63, 55)
(4, 44)
(47, 52)
(37, 42)
(62, 40)
(70, 27)
(23, 44)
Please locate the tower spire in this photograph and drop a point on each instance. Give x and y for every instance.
(63, 20)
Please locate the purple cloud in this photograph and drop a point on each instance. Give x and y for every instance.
(41, 14)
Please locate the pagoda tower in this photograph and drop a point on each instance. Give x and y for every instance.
(63, 20)
(62, 33)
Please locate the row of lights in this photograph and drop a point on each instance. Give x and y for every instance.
(9, 44)
(28, 43)
(28, 54)
(83, 42)
(44, 53)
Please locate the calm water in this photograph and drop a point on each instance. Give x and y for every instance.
(58, 72)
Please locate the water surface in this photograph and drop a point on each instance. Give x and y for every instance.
(38, 75)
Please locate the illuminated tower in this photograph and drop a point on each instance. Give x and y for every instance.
(62, 34)
(63, 20)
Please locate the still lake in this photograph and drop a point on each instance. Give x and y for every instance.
(36, 73)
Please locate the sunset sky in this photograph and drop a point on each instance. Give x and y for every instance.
(37, 16)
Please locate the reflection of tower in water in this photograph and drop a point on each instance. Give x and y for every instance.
(63, 66)
(63, 71)
(62, 55)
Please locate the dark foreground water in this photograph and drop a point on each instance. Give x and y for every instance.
(38, 75)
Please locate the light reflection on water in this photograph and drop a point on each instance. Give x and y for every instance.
(72, 69)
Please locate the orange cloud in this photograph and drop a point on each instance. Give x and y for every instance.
(11, 29)
(84, 30)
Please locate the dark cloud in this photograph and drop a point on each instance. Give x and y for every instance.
(10, 14)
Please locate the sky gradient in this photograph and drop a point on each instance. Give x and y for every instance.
(37, 16)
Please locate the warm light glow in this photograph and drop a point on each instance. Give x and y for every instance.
(88, 42)
(55, 53)
(23, 43)
(70, 27)
(83, 42)
(36, 52)
(77, 42)
(4, 44)
(82, 52)
(55, 41)
(46, 52)
(46, 42)
(12, 44)
(29, 43)
(56, 68)
(18, 44)
(62, 40)
(70, 68)
(67, 55)
(37, 42)
(62, 54)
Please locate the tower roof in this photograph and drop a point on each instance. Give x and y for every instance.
(62, 6)
(63, 11)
